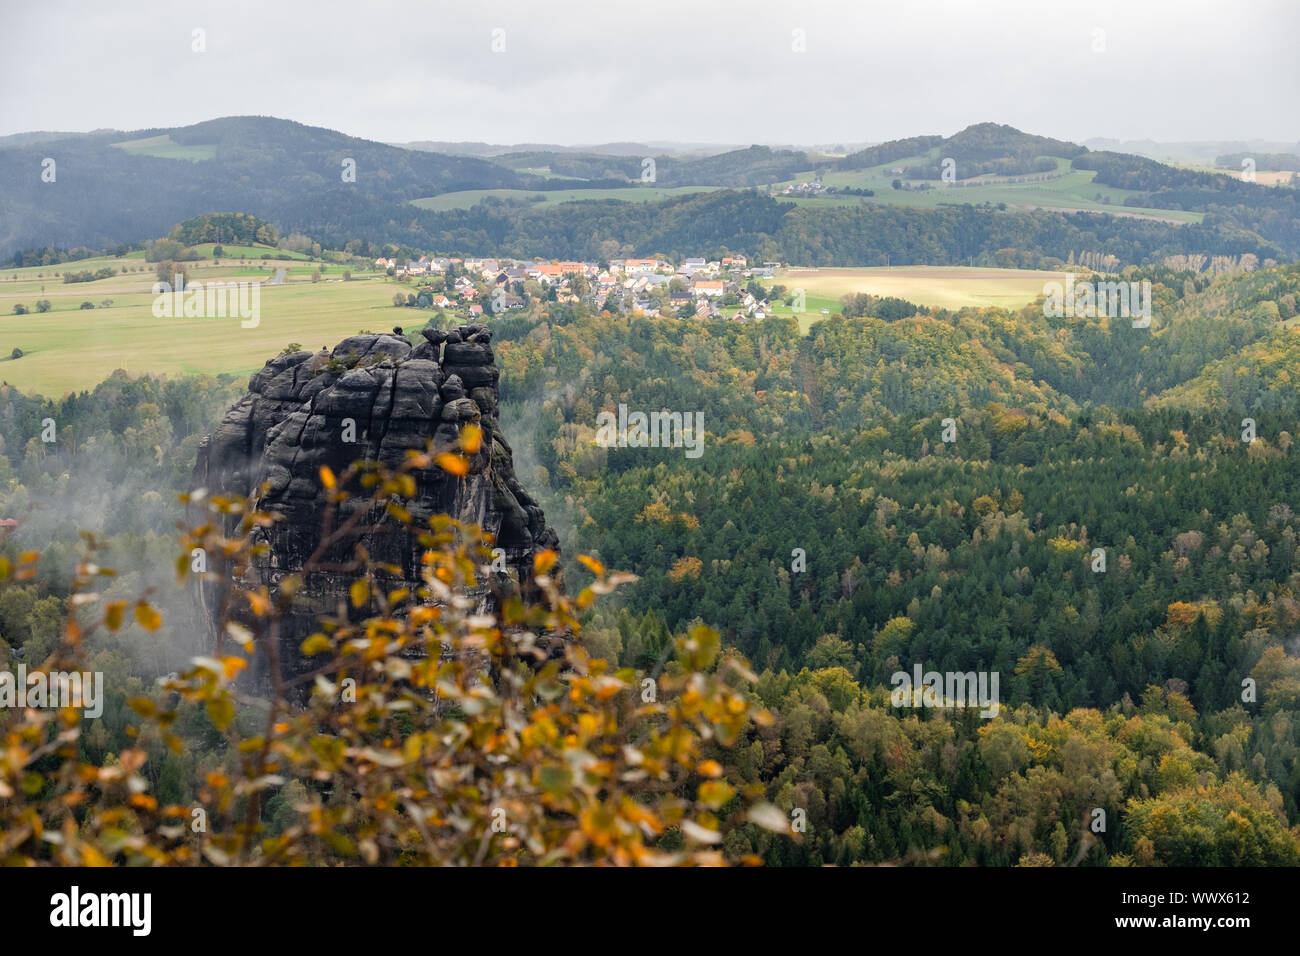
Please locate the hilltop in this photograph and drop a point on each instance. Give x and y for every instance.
(948, 196)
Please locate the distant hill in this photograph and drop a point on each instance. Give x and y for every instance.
(281, 170)
(977, 150)
(1262, 161)
(488, 150)
(1196, 152)
(752, 166)
(44, 136)
(1273, 214)
(112, 187)
(491, 150)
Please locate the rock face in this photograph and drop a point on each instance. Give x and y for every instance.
(374, 397)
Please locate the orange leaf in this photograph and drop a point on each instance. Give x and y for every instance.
(453, 464)
(148, 617)
(471, 438)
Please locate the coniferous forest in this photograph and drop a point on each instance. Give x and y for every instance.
(857, 437)
(1111, 526)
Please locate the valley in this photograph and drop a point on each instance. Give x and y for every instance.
(813, 502)
(69, 347)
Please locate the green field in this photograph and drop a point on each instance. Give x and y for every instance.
(468, 197)
(164, 148)
(250, 252)
(1070, 190)
(69, 348)
(543, 171)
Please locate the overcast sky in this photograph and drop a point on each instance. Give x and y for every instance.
(711, 71)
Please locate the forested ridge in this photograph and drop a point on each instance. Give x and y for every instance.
(297, 177)
(767, 229)
(1122, 686)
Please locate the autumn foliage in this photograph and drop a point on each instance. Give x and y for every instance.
(430, 734)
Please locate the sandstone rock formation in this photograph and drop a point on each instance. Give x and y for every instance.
(387, 397)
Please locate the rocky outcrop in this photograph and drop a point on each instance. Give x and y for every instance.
(373, 397)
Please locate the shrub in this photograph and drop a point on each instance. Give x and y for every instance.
(433, 735)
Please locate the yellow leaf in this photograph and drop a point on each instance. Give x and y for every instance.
(544, 561)
(471, 438)
(221, 712)
(360, 592)
(453, 464)
(592, 565)
(241, 634)
(113, 614)
(315, 645)
(714, 793)
(148, 617)
(327, 478)
(92, 857)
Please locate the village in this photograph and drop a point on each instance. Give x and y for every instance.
(726, 288)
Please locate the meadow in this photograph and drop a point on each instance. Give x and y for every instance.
(164, 147)
(469, 197)
(70, 348)
(949, 287)
(1069, 190)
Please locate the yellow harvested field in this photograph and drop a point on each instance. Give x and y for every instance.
(951, 287)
